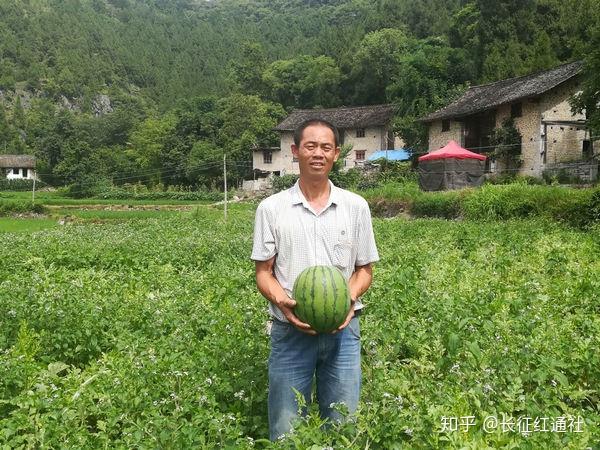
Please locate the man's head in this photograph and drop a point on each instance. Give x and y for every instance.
(300, 130)
(316, 148)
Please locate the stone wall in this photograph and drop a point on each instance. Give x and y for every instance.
(564, 143)
(439, 138)
(586, 171)
(529, 127)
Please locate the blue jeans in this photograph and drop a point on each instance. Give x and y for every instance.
(297, 357)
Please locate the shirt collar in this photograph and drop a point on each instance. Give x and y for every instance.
(298, 196)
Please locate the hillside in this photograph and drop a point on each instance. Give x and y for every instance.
(83, 80)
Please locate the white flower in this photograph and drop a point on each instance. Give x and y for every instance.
(239, 395)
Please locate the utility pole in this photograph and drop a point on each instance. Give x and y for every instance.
(225, 185)
(33, 191)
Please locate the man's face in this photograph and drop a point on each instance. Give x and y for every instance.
(317, 151)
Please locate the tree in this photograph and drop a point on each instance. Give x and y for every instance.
(246, 72)
(429, 75)
(588, 100)
(304, 81)
(507, 144)
(247, 123)
(147, 144)
(375, 65)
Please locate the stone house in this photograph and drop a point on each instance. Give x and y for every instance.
(366, 128)
(18, 167)
(551, 135)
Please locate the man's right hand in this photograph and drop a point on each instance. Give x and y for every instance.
(286, 305)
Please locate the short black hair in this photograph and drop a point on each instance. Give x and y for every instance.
(300, 129)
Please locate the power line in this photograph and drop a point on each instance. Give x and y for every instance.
(213, 165)
(537, 140)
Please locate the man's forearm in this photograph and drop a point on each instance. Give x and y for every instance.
(360, 281)
(269, 287)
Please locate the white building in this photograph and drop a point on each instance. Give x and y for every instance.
(367, 128)
(18, 167)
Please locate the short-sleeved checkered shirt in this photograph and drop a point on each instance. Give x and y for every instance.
(340, 235)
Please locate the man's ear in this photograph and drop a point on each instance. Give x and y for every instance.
(295, 151)
(338, 150)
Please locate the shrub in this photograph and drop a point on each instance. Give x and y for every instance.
(446, 205)
(512, 178)
(575, 207)
(20, 207)
(19, 185)
(346, 180)
(284, 182)
(137, 193)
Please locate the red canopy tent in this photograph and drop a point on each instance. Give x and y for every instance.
(451, 167)
(452, 150)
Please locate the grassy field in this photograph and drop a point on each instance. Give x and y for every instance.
(11, 225)
(55, 198)
(150, 333)
(60, 210)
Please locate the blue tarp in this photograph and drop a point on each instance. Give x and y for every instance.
(391, 155)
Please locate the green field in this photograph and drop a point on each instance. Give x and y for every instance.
(150, 333)
(56, 198)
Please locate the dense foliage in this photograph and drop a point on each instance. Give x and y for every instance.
(113, 91)
(151, 333)
(576, 207)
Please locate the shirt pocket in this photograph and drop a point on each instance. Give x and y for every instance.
(342, 255)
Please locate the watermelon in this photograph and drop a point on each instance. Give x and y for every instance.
(322, 298)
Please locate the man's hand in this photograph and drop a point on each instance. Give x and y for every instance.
(286, 305)
(348, 319)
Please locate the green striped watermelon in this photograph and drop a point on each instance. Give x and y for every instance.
(322, 297)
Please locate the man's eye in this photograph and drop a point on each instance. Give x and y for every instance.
(327, 148)
(310, 146)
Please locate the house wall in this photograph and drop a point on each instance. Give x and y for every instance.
(439, 138)
(282, 159)
(564, 143)
(375, 139)
(10, 175)
(529, 127)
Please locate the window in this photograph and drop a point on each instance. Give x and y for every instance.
(16, 171)
(360, 132)
(516, 110)
(445, 125)
(25, 173)
(267, 156)
(360, 155)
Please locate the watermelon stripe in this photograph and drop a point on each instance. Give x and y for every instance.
(325, 292)
(305, 299)
(312, 293)
(335, 295)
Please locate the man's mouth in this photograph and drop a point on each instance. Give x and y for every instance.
(317, 164)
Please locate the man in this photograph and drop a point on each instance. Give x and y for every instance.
(312, 223)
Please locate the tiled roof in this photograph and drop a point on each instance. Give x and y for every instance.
(344, 117)
(17, 161)
(488, 96)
